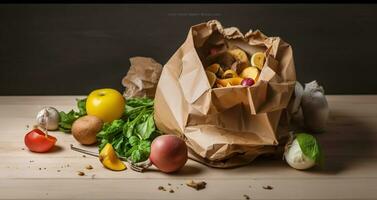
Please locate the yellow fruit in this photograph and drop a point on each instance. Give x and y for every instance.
(250, 72)
(230, 74)
(211, 78)
(241, 56)
(110, 160)
(258, 60)
(106, 104)
(229, 81)
(213, 68)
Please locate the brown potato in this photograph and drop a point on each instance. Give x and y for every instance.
(85, 129)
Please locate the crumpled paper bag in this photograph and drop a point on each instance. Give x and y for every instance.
(226, 127)
(142, 77)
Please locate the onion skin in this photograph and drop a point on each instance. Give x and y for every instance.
(168, 153)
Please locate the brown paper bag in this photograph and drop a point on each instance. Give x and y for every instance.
(142, 77)
(225, 127)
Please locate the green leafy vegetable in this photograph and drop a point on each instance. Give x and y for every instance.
(310, 147)
(67, 119)
(131, 136)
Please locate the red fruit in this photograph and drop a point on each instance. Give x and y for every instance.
(247, 82)
(168, 153)
(213, 51)
(37, 141)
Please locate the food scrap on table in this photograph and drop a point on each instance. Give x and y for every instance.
(199, 185)
(80, 173)
(268, 187)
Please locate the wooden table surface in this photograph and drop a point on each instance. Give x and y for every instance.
(350, 171)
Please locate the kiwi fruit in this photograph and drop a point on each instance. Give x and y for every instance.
(85, 129)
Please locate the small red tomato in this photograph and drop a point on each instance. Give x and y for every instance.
(37, 141)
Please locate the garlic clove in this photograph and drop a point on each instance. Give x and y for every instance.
(48, 118)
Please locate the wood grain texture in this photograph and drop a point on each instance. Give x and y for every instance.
(350, 146)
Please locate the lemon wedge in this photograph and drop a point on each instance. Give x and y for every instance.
(258, 60)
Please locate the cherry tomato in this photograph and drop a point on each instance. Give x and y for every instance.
(37, 141)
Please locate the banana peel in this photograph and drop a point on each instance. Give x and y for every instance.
(229, 81)
(110, 160)
(240, 56)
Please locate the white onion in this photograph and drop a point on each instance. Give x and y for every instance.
(296, 158)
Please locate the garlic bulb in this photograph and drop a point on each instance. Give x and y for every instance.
(315, 107)
(296, 158)
(48, 118)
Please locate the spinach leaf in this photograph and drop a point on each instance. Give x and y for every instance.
(81, 104)
(134, 140)
(67, 119)
(110, 133)
(147, 127)
(136, 155)
(131, 136)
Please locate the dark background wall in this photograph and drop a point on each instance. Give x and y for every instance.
(73, 49)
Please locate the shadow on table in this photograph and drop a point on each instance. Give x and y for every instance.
(347, 142)
(56, 149)
(187, 170)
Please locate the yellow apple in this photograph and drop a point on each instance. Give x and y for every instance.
(106, 104)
